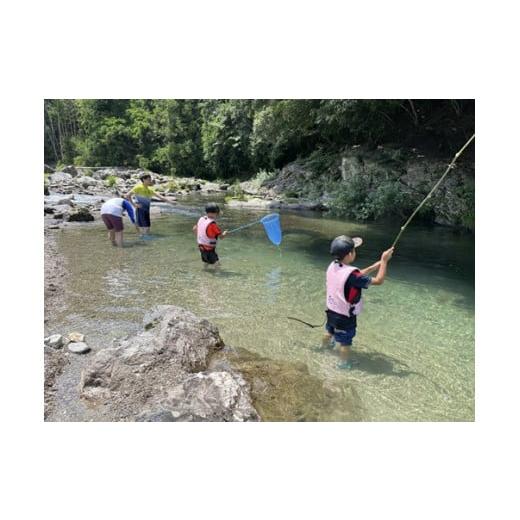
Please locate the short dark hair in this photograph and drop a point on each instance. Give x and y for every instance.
(211, 207)
(145, 176)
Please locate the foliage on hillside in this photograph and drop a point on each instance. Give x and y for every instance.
(237, 138)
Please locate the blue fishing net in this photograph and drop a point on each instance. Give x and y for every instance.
(272, 228)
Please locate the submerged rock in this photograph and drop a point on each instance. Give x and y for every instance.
(286, 391)
(160, 374)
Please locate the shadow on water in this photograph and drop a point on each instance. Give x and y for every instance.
(133, 243)
(221, 273)
(376, 363)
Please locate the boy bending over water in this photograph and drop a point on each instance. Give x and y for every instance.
(344, 286)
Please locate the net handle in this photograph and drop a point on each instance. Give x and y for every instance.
(244, 226)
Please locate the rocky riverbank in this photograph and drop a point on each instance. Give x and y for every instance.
(55, 359)
(178, 369)
(365, 184)
(75, 194)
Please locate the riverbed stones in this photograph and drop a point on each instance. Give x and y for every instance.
(78, 347)
(162, 374)
(71, 170)
(76, 336)
(59, 177)
(54, 340)
(86, 181)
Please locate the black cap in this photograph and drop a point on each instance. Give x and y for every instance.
(343, 245)
(211, 207)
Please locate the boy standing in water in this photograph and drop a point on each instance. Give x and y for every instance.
(208, 232)
(141, 194)
(344, 285)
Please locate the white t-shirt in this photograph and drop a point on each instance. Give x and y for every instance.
(113, 207)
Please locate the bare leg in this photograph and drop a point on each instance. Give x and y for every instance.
(326, 340)
(119, 238)
(112, 237)
(344, 353)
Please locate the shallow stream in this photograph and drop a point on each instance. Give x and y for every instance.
(415, 339)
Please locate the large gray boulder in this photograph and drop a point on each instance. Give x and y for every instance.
(155, 375)
(212, 396)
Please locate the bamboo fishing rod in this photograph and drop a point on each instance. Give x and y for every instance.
(405, 225)
(437, 184)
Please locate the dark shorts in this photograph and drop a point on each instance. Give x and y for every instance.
(343, 337)
(143, 217)
(208, 257)
(112, 222)
(143, 213)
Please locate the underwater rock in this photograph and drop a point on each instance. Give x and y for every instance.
(286, 391)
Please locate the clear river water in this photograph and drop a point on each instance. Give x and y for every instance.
(415, 338)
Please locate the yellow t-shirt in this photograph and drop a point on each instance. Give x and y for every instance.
(143, 191)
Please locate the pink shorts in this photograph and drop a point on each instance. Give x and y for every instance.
(112, 222)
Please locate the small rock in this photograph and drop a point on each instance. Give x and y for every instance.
(86, 181)
(81, 215)
(78, 348)
(76, 336)
(47, 169)
(54, 341)
(54, 226)
(60, 177)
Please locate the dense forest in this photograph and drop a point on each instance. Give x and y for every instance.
(234, 139)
